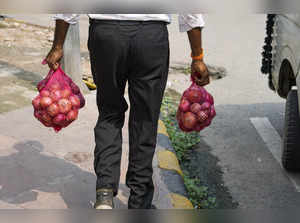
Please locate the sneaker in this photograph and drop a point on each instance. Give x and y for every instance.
(104, 199)
(153, 206)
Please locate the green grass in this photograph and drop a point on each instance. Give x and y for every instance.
(183, 142)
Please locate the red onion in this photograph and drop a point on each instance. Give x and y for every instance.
(45, 102)
(36, 102)
(66, 93)
(74, 101)
(46, 117)
(189, 120)
(184, 105)
(64, 105)
(202, 116)
(209, 99)
(72, 115)
(75, 88)
(59, 119)
(45, 93)
(56, 95)
(53, 109)
(194, 96)
(195, 108)
(55, 86)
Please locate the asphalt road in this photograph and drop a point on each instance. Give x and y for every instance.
(246, 134)
(243, 144)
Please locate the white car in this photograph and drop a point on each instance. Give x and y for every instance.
(281, 60)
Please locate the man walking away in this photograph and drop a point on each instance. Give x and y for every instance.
(131, 48)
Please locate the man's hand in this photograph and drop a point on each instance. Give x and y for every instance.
(56, 53)
(200, 72)
(198, 67)
(53, 58)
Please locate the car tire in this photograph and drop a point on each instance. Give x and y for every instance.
(291, 134)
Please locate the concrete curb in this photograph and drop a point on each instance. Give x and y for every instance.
(168, 172)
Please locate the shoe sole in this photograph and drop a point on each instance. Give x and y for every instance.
(103, 207)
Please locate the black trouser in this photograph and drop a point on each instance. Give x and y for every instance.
(137, 52)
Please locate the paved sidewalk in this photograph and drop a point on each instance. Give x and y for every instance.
(43, 169)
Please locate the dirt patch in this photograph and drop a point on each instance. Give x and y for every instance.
(78, 157)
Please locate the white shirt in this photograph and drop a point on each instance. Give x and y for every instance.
(186, 21)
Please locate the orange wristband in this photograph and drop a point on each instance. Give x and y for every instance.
(200, 57)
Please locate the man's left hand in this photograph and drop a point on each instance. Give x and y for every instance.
(200, 72)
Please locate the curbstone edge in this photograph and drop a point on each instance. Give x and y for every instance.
(171, 173)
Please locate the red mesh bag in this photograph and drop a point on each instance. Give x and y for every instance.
(58, 101)
(196, 109)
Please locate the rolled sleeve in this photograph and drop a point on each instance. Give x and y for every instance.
(190, 21)
(69, 18)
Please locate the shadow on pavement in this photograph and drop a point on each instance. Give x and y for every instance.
(22, 74)
(29, 170)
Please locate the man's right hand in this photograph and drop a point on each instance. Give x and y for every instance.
(54, 56)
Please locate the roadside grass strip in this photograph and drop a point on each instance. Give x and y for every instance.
(198, 195)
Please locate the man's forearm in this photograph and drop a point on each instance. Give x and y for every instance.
(195, 38)
(61, 29)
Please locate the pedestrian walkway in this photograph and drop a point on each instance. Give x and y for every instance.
(41, 169)
(44, 169)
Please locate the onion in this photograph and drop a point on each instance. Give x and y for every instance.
(72, 115)
(206, 108)
(195, 108)
(38, 114)
(45, 102)
(59, 119)
(66, 93)
(189, 120)
(74, 99)
(184, 105)
(194, 96)
(181, 126)
(47, 124)
(202, 116)
(56, 95)
(185, 93)
(82, 100)
(54, 86)
(209, 99)
(45, 93)
(36, 102)
(204, 94)
(64, 105)
(53, 109)
(46, 117)
(75, 88)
